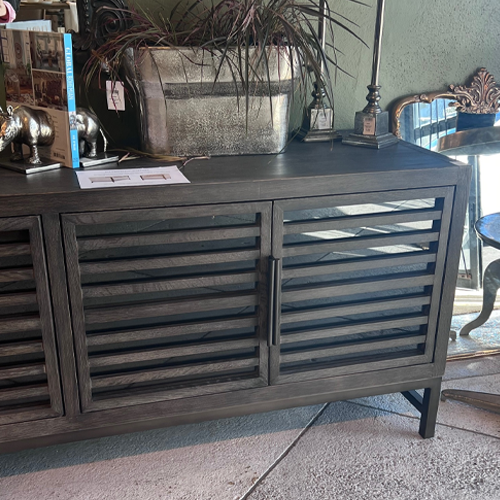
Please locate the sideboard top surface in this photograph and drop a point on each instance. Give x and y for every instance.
(325, 170)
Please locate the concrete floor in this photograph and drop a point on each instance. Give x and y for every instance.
(362, 449)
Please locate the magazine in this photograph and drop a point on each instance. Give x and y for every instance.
(39, 74)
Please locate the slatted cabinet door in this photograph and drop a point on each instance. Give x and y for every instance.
(169, 303)
(358, 282)
(29, 377)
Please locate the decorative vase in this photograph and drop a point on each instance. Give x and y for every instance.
(191, 105)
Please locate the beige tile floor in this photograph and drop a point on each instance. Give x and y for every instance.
(362, 449)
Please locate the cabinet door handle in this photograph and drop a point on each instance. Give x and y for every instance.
(277, 303)
(270, 310)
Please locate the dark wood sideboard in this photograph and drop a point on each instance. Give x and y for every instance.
(317, 275)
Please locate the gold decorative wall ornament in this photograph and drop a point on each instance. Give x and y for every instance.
(481, 97)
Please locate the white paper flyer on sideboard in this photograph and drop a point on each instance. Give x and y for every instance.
(131, 177)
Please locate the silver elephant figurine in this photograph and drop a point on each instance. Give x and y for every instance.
(88, 128)
(24, 125)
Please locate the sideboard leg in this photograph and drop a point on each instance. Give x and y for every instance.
(427, 406)
(429, 411)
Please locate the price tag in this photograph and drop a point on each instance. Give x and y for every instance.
(115, 94)
(321, 119)
(369, 125)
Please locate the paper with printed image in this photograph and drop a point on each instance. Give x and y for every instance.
(130, 177)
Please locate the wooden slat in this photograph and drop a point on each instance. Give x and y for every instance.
(11, 395)
(149, 263)
(361, 242)
(351, 329)
(362, 198)
(14, 325)
(22, 371)
(359, 287)
(20, 348)
(360, 307)
(358, 264)
(172, 352)
(18, 299)
(158, 215)
(160, 285)
(170, 373)
(128, 400)
(16, 274)
(356, 347)
(13, 249)
(169, 308)
(110, 338)
(357, 221)
(167, 237)
(35, 412)
(353, 366)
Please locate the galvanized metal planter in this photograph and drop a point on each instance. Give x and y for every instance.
(183, 112)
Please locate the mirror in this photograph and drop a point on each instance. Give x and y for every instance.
(432, 120)
(424, 118)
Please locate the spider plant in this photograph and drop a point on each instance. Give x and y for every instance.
(242, 37)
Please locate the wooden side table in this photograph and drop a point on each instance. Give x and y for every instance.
(488, 230)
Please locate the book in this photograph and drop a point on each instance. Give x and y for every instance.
(38, 73)
(35, 25)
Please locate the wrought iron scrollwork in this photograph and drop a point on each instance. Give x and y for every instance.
(97, 20)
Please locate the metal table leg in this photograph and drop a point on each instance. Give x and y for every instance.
(491, 284)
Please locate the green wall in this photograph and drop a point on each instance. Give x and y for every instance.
(427, 45)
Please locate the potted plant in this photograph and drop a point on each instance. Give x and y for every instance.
(218, 77)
